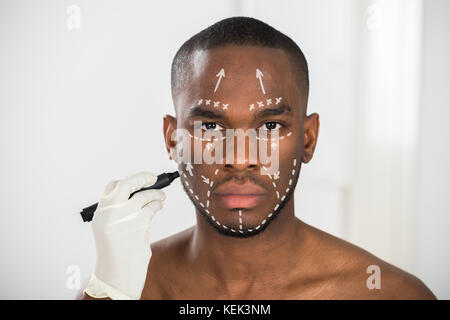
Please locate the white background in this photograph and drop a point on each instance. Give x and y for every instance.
(79, 108)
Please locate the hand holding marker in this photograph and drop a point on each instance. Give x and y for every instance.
(163, 181)
(121, 228)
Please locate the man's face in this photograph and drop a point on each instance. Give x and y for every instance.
(241, 198)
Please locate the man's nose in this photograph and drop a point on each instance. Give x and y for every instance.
(242, 158)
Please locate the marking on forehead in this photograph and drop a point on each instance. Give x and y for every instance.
(268, 102)
(259, 76)
(196, 111)
(220, 75)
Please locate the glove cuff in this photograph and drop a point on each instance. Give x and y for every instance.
(96, 288)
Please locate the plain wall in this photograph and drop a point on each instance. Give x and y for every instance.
(432, 256)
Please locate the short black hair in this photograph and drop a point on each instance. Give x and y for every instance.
(241, 31)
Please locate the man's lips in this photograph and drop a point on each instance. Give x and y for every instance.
(232, 195)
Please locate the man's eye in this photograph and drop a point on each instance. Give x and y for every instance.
(270, 126)
(212, 126)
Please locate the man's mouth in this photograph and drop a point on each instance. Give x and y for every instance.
(239, 196)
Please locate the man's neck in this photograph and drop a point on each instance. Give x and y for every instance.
(265, 255)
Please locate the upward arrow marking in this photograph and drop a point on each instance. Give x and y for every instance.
(221, 75)
(259, 76)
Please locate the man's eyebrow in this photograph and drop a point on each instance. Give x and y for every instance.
(284, 108)
(198, 111)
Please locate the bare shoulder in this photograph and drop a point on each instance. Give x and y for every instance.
(170, 246)
(358, 274)
(164, 267)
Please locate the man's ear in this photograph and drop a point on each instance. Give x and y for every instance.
(311, 126)
(170, 124)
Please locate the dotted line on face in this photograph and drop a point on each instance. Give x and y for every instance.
(240, 221)
(208, 194)
(260, 104)
(274, 139)
(294, 170)
(215, 104)
(207, 139)
(276, 176)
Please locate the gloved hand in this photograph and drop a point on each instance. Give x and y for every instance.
(121, 229)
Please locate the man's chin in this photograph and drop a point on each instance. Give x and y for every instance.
(239, 222)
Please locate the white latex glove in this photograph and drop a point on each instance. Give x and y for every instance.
(121, 229)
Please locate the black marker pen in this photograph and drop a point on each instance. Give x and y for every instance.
(163, 181)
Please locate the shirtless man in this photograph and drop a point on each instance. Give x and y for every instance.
(247, 243)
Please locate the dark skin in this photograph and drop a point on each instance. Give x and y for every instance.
(288, 259)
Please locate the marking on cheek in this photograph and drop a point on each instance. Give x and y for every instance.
(216, 172)
(276, 175)
(268, 102)
(277, 100)
(251, 107)
(212, 182)
(260, 104)
(189, 168)
(208, 102)
(216, 104)
(205, 180)
(225, 106)
(289, 133)
(200, 101)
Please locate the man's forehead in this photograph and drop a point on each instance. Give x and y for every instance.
(240, 64)
(240, 74)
